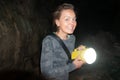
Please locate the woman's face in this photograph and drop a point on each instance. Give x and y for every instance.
(67, 22)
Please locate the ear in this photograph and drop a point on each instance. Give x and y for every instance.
(57, 22)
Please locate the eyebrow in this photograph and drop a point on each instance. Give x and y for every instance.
(70, 17)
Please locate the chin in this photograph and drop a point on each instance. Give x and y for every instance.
(70, 33)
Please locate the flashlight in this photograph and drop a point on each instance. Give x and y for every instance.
(88, 55)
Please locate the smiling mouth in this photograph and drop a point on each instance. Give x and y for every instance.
(70, 28)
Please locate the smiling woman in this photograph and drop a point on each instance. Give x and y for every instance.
(54, 61)
(66, 23)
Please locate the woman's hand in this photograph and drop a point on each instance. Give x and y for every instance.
(78, 62)
(81, 47)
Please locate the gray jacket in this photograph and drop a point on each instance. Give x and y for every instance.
(54, 59)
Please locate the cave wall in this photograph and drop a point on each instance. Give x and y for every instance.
(21, 32)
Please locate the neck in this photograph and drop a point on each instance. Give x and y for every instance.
(62, 36)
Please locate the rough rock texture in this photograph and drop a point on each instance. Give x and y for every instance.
(20, 36)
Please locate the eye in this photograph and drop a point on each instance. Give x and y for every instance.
(66, 19)
(74, 19)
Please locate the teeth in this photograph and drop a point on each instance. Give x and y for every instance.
(70, 28)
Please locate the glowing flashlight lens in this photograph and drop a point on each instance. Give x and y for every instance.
(90, 55)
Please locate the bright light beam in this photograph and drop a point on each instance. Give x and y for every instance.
(88, 55)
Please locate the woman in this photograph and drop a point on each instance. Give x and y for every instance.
(54, 60)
